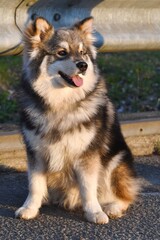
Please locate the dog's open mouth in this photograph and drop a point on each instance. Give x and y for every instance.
(75, 80)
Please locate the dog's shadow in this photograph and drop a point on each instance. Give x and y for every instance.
(13, 191)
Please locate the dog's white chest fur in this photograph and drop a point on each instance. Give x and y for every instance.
(70, 147)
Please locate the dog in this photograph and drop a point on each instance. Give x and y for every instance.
(77, 156)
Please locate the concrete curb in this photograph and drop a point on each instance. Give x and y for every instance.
(141, 137)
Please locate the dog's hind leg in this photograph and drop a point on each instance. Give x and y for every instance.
(87, 174)
(125, 188)
(37, 192)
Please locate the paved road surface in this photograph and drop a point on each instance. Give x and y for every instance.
(142, 220)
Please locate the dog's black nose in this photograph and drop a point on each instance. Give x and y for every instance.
(82, 66)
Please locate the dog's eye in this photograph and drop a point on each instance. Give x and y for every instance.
(62, 53)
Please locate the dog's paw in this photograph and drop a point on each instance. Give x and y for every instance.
(99, 217)
(26, 213)
(114, 210)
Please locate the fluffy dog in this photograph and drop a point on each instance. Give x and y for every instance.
(77, 155)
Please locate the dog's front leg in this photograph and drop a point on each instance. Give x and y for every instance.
(37, 192)
(87, 176)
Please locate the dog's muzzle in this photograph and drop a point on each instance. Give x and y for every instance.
(82, 66)
(75, 80)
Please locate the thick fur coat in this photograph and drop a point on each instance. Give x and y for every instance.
(77, 155)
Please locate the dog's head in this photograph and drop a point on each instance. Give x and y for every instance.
(63, 57)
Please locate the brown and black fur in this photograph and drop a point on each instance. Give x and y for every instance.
(77, 155)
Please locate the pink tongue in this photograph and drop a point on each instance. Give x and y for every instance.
(78, 81)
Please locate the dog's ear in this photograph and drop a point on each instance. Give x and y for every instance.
(86, 28)
(38, 31)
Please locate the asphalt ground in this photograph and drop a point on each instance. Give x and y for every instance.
(142, 220)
